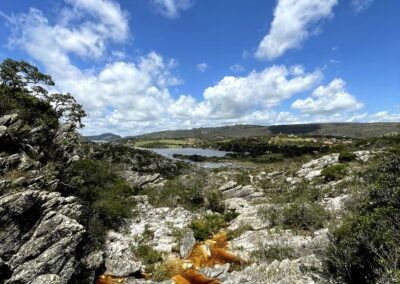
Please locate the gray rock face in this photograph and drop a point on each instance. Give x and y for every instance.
(150, 226)
(313, 168)
(281, 272)
(251, 241)
(187, 243)
(248, 214)
(232, 189)
(39, 234)
(143, 180)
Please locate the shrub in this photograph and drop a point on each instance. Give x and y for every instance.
(214, 201)
(147, 254)
(304, 216)
(271, 253)
(161, 272)
(366, 247)
(346, 156)
(206, 226)
(334, 172)
(101, 190)
(186, 191)
(271, 214)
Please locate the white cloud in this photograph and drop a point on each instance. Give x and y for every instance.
(294, 21)
(132, 97)
(360, 6)
(171, 8)
(114, 21)
(328, 100)
(384, 116)
(202, 67)
(238, 96)
(237, 68)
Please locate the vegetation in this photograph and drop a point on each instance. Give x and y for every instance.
(104, 194)
(346, 156)
(255, 147)
(334, 172)
(271, 253)
(304, 216)
(355, 130)
(22, 89)
(188, 191)
(204, 227)
(147, 254)
(365, 248)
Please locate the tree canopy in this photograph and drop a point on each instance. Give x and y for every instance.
(24, 88)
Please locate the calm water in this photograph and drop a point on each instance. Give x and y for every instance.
(169, 152)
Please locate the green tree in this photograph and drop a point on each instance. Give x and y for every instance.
(67, 108)
(23, 88)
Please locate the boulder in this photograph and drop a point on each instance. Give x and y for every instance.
(363, 156)
(186, 244)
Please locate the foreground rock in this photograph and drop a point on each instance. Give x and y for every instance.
(151, 226)
(39, 235)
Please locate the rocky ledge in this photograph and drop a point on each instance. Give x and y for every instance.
(39, 236)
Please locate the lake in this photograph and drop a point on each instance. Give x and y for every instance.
(169, 152)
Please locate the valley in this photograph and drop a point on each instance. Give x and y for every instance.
(284, 208)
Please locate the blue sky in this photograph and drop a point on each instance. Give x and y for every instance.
(148, 65)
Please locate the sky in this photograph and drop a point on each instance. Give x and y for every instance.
(149, 65)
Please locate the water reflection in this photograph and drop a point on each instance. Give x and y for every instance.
(169, 153)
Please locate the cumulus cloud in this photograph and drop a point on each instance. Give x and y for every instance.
(329, 99)
(132, 97)
(171, 8)
(360, 6)
(202, 67)
(236, 96)
(294, 21)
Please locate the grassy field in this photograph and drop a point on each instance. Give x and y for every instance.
(166, 143)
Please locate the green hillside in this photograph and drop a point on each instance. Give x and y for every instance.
(355, 130)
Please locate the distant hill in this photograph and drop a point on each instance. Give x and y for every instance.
(108, 137)
(354, 130)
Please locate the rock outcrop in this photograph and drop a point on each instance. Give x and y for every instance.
(232, 189)
(151, 226)
(314, 168)
(39, 235)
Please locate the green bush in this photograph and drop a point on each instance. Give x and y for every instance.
(304, 216)
(100, 189)
(346, 156)
(334, 172)
(206, 226)
(214, 201)
(185, 191)
(366, 247)
(271, 214)
(147, 254)
(272, 253)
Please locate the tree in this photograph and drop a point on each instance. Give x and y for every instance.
(67, 108)
(23, 84)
